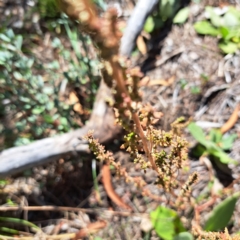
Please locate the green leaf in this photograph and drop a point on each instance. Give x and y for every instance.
(215, 135)
(184, 236)
(216, 20)
(20, 221)
(10, 33)
(149, 25)
(18, 42)
(231, 20)
(228, 47)
(224, 32)
(181, 16)
(223, 157)
(18, 75)
(8, 230)
(195, 90)
(205, 28)
(211, 147)
(197, 133)
(166, 222)
(48, 118)
(222, 214)
(5, 38)
(227, 142)
(22, 141)
(38, 110)
(167, 8)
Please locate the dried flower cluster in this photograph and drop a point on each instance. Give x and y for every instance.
(164, 152)
(214, 235)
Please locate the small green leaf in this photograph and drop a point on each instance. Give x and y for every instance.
(18, 42)
(18, 75)
(48, 118)
(204, 27)
(166, 222)
(195, 90)
(149, 25)
(227, 142)
(224, 32)
(228, 47)
(5, 38)
(181, 16)
(215, 135)
(222, 214)
(216, 20)
(211, 147)
(184, 236)
(38, 110)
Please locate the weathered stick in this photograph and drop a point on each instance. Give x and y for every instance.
(135, 25)
(17, 159)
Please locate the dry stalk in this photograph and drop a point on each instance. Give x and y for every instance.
(127, 100)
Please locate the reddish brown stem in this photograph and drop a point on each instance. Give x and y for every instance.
(107, 183)
(118, 75)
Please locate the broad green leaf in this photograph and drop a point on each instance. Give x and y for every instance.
(166, 222)
(211, 147)
(181, 16)
(228, 47)
(149, 25)
(222, 214)
(230, 20)
(197, 133)
(204, 27)
(184, 236)
(227, 142)
(216, 20)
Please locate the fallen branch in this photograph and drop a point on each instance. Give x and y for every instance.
(135, 25)
(17, 159)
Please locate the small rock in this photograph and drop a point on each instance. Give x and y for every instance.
(146, 224)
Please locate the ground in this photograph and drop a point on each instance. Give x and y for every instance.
(190, 78)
